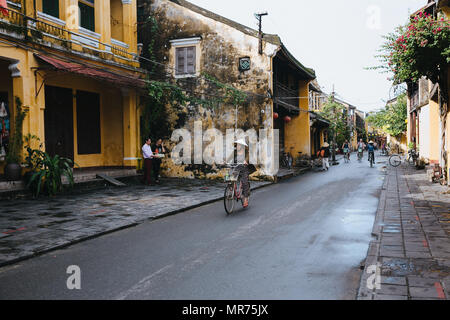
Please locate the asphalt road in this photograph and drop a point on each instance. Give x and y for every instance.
(304, 238)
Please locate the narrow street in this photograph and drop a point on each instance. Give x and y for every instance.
(304, 238)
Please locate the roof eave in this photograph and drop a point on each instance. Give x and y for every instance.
(310, 74)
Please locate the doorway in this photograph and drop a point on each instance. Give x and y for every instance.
(59, 122)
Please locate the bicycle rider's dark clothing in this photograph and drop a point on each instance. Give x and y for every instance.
(327, 152)
(371, 150)
(243, 175)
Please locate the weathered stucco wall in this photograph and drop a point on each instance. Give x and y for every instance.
(221, 46)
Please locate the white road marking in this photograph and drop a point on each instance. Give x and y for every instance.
(142, 285)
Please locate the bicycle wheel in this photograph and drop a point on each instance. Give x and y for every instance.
(229, 199)
(395, 160)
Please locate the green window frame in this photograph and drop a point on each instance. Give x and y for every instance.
(87, 14)
(51, 7)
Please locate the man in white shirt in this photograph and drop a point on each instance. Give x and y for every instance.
(147, 153)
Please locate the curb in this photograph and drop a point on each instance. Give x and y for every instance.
(128, 226)
(293, 175)
(363, 293)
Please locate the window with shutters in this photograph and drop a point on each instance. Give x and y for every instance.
(51, 7)
(186, 60)
(86, 11)
(185, 56)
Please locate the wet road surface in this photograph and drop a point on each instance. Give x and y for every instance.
(301, 239)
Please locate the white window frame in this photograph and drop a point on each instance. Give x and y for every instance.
(189, 42)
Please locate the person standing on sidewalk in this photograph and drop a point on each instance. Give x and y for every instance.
(147, 154)
(159, 150)
(325, 155)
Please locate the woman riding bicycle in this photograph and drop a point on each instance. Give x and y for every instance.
(243, 168)
(371, 150)
(346, 149)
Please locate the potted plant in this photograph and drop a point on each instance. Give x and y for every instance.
(48, 173)
(421, 164)
(13, 169)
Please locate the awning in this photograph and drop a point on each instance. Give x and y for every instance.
(288, 107)
(92, 72)
(318, 121)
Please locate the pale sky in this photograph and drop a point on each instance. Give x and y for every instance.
(337, 38)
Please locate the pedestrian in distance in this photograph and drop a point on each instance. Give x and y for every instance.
(147, 154)
(159, 151)
(361, 147)
(324, 153)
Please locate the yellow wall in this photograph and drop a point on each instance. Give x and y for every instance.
(110, 120)
(124, 30)
(119, 121)
(297, 132)
(116, 20)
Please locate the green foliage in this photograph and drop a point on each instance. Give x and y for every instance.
(32, 159)
(392, 119)
(49, 172)
(15, 146)
(419, 48)
(334, 113)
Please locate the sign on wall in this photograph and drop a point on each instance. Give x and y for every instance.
(244, 64)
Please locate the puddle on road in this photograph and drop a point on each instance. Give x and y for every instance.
(401, 268)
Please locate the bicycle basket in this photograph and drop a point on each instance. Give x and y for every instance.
(232, 176)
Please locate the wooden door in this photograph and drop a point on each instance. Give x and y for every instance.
(59, 122)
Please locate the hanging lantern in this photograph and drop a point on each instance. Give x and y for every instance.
(287, 119)
(275, 115)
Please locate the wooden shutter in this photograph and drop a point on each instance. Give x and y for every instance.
(190, 52)
(180, 60)
(185, 60)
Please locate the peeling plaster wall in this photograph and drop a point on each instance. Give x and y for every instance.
(220, 49)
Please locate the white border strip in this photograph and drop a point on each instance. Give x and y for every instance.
(51, 18)
(119, 43)
(185, 42)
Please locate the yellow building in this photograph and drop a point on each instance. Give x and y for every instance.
(74, 65)
(444, 12)
(291, 82)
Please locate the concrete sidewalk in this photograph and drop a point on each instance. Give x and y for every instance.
(31, 227)
(412, 249)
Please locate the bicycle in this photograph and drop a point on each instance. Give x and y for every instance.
(347, 156)
(371, 159)
(360, 154)
(286, 160)
(233, 190)
(413, 157)
(395, 160)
